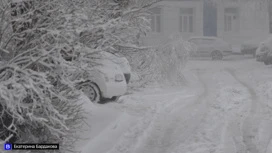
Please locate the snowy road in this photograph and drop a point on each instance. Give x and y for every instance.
(226, 108)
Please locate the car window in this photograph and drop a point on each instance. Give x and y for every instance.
(202, 41)
(196, 41)
(208, 41)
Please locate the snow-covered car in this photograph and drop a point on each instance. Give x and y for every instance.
(211, 46)
(268, 58)
(251, 46)
(121, 61)
(104, 81)
(261, 52)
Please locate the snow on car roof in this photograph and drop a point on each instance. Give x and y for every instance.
(204, 37)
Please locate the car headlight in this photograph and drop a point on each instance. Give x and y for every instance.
(119, 77)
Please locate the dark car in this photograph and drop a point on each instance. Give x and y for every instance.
(251, 46)
(268, 58)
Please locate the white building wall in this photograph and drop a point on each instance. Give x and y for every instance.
(170, 21)
(253, 21)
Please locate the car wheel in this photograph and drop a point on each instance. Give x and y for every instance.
(217, 55)
(91, 91)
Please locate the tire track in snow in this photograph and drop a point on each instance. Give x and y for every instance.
(211, 137)
(249, 128)
(189, 125)
(133, 136)
(170, 129)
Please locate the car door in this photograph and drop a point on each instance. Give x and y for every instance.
(205, 47)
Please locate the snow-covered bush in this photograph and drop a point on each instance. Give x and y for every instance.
(162, 64)
(114, 26)
(38, 102)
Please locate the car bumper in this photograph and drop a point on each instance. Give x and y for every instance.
(114, 89)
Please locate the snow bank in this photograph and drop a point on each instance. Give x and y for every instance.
(264, 90)
(87, 105)
(232, 99)
(269, 147)
(113, 126)
(103, 126)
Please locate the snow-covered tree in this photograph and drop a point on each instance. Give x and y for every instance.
(37, 98)
(114, 26)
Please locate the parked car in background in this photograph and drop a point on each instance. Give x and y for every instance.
(213, 47)
(263, 50)
(268, 58)
(251, 46)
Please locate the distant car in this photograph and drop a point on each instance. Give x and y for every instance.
(264, 48)
(268, 58)
(261, 52)
(251, 46)
(213, 47)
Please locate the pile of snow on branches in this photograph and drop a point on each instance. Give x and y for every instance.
(163, 64)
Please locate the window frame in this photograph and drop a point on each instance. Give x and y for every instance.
(156, 20)
(186, 20)
(231, 17)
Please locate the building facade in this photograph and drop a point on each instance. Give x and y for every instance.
(169, 18)
(232, 20)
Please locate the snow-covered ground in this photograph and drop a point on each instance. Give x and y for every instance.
(225, 108)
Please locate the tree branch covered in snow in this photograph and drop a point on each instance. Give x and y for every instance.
(38, 100)
(162, 64)
(115, 25)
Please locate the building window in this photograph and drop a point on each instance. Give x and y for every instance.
(231, 19)
(156, 20)
(186, 20)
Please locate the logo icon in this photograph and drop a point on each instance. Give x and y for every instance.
(7, 146)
